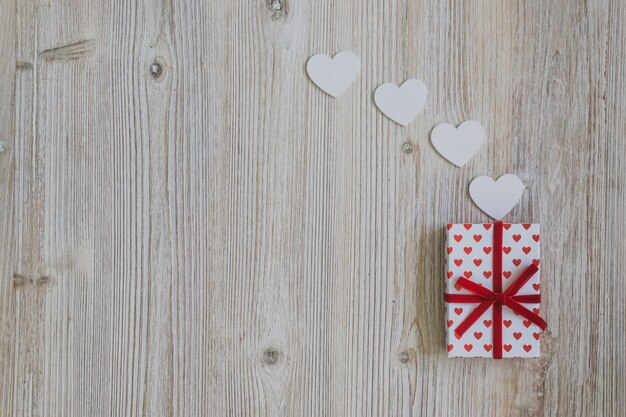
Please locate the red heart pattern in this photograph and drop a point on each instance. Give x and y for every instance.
(469, 253)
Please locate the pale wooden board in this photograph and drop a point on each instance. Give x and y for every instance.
(192, 223)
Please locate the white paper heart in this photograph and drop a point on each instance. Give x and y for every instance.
(458, 144)
(401, 104)
(496, 198)
(333, 75)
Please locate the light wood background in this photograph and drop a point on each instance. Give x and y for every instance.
(227, 240)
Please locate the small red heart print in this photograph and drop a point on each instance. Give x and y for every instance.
(467, 226)
(478, 238)
(458, 286)
(450, 347)
(487, 323)
(458, 237)
(450, 250)
(536, 335)
(487, 226)
(506, 274)
(458, 336)
(526, 226)
(536, 262)
(468, 274)
(468, 347)
(507, 347)
(526, 249)
(507, 323)
(536, 287)
(467, 249)
(458, 262)
(477, 262)
(517, 335)
(449, 226)
(478, 335)
(536, 310)
(488, 347)
(506, 249)
(450, 274)
(527, 348)
(487, 249)
(507, 226)
(450, 323)
(517, 262)
(536, 238)
(517, 237)
(527, 323)
(487, 274)
(458, 311)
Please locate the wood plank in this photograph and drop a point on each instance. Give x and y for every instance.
(219, 237)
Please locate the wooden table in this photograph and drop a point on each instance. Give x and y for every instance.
(191, 228)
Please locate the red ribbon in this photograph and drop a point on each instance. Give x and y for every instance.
(496, 298)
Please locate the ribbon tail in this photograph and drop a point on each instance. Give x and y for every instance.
(472, 317)
(523, 311)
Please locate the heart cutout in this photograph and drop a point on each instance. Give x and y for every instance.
(458, 144)
(401, 104)
(333, 75)
(496, 198)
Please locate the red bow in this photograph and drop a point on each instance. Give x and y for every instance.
(496, 298)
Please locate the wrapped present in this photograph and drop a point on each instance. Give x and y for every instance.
(492, 290)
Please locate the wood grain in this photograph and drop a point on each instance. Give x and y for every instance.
(226, 240)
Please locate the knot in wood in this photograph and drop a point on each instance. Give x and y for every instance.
(271, 356)
(279, 8)
(19, 279)
(156, 70)
(407, 147)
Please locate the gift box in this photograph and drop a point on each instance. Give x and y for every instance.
(492, 290)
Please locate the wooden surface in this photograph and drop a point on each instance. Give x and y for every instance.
(227, 240)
